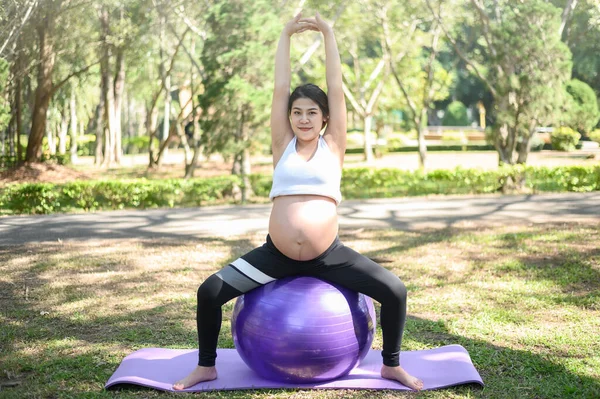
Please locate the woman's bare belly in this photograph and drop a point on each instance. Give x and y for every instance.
(302, 227)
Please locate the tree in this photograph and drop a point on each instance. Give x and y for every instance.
(522, 62)
(13, 18)
(365, 64)
(456, 115)
(414, 65)
(4, 107)
(582, 35)
(45, 22)
(581, 108)
(238, 61)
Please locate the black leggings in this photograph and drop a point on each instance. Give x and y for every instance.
(338, 264)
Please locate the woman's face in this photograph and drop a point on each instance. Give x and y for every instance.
(306, 118)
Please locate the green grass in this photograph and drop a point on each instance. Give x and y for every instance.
(524, 301)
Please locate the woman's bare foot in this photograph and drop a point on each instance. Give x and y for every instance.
(198, 375)
(398, 374)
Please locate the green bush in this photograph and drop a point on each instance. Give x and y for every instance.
(86, 145)
(581, 108)
(44, 198)
(564, 139)
(595, 135)
(455, 115)
(95, 195)
(136, 145)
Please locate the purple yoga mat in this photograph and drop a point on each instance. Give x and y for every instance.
(159, 368)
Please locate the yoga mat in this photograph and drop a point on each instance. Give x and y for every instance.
(159, 368)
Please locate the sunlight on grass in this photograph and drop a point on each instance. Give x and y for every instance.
(523, 300)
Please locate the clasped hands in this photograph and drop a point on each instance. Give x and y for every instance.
(299, 25)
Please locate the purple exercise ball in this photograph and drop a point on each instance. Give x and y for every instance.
(302, 329)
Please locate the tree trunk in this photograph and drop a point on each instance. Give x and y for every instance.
(367, 133)
(186, 146)
(166, 131)
(245, 161)
(107, 87)
(73, 122)
(10, 131)
(506, 142)
(43, 91)
(525, 147)
(164, 146)
(17, 102)
(64, 130)
(118, 90)
(566, 14)
(189, 168)
(51, 140)
(151, 122)
(246, 171)
(421, 128)
(99, 156)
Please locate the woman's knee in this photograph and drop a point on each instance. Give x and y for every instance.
(396, 290)
(214, 291)
(209, 291)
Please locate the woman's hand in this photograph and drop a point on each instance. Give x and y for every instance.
(299, 25)
(317, 23)
(323, 26)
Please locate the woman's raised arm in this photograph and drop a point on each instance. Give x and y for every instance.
(281, 130)
(335, 134)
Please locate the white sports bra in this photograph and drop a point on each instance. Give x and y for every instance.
(321, 175)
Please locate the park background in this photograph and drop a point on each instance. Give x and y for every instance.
(150, 103)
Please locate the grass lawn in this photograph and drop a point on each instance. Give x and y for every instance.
(523, 300)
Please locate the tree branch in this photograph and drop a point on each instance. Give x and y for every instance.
(566, 14)
(190, 24)
(388, 50)
(428, 94)
(168, 72)
(313, 47)
(486, 26)
(375, 96)
(355, 104)
(460, 53)
(374, 74)
(192, 59)
(56, 87)
(21, 24)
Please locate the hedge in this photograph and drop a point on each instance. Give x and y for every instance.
(357, 183)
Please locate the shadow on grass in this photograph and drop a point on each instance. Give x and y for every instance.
(507, 372)
(570, 263)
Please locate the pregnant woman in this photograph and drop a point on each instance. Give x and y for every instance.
(303, 227)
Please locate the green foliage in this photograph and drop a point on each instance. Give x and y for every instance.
(594, 135)
(456, 115)
(238, 60)
(40, 198)
(4, 105)
(137, 144)
(581, 108)
(86, 144)
(564, 139)
(384, 183)
(525, 64)
(582, 33)
(45, 198)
